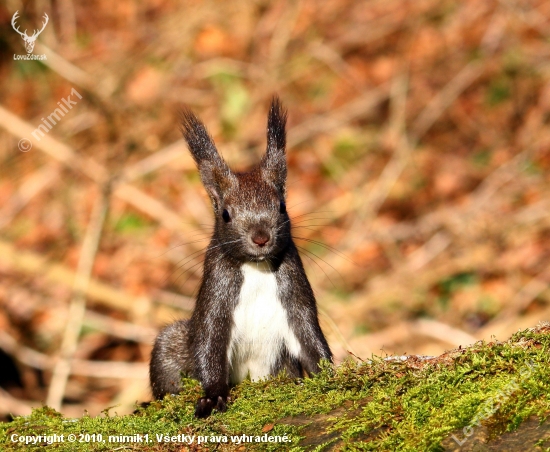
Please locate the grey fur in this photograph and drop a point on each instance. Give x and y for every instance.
(255, 205)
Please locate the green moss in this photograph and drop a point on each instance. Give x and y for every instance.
(378, 405)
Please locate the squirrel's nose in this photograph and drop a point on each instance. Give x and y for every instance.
(260, 238)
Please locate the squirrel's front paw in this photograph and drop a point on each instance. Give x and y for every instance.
(205, 405)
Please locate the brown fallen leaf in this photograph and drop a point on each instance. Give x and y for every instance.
(267, 428)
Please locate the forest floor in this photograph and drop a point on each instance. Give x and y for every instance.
(419, 176)
(413, 404)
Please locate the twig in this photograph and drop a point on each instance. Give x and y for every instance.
(443, 332)
(59, 151)
(403, 331)
(63, 153)
(152, 207)
(506, 327)
(176, 150)
(494, 182)
(118, 328)
(86, 368)
(32, 185)
(68, 20)
(469, 73)
(109, 369)
(75, 75)
(174, 299)
(35, 264)
(532, 17)
(520, 301)
(281, 37)
(432, 248)
(77, 307)
(23, 354)
(324, 52)
(13, 406)
(336, 330)
(432, 221)
(356, 108)
(442, 100)
(533, 212)
(370, 204)
(361, 35)
(397, 164)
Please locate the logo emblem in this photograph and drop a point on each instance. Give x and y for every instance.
(29, 40)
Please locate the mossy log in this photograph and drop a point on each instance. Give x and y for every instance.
(487, 397)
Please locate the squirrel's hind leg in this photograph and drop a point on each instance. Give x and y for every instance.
(170, 359)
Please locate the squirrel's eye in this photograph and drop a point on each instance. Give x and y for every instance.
(225, 216)
(282, 207)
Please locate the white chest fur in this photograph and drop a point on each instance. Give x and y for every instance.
(260, 326)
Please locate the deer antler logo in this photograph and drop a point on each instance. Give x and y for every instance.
(29, 40)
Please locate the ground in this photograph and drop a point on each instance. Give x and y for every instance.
(465, 399)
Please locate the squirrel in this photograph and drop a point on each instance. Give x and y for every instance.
(255, 313)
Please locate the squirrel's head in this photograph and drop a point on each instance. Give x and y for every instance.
(249, 208)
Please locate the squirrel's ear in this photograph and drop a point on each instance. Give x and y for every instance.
(273, 164)
(215, 174)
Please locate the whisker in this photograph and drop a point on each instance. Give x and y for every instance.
(222, 255)
(310, 219)
(189, 269)
(306, 252)
(309, 226)
(192, 256)
(327, 247)
(221, 244)
(324, 261)
(181, 244)
(187, 259)
(312, 213)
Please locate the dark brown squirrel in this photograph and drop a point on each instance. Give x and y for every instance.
(255, 314)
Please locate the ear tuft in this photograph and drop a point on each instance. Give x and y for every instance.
(273, 163)
(215, 174)
(276, 125)
(198, 139)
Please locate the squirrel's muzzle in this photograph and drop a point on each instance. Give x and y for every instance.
(260, 238)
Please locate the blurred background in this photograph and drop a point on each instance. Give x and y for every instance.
(418, 154)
